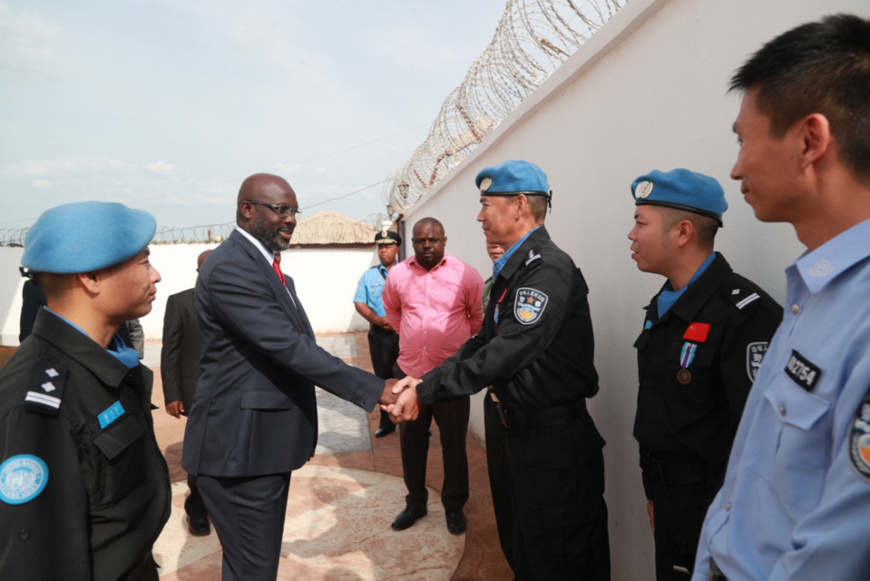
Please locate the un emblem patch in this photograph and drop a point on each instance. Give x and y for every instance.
(22, 478)
(529, 305)
(754, 356)
(859, 440)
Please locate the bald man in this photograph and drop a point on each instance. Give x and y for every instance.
(254, 415)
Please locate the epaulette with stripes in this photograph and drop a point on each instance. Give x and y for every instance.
(46, 388)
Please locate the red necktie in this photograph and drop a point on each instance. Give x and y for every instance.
(277, 268)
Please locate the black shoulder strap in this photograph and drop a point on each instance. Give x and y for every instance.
(46, 387)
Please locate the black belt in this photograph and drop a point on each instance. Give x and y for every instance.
(715, 574)
(677, 474)
(543, 418)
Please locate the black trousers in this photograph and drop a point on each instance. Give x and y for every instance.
(560, 517)
(248, 515)
(499, 477)
(384, 349)
(451, 415)
(679, 512)
(193, 504)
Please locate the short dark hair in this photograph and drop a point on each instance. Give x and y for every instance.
(706, 227)
(538, 205)
(818, 67)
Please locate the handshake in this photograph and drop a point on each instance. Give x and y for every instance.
(400, 399)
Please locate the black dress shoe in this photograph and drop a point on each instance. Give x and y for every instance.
(455, 521)
(408, 517)
(198, 527)
(384, 431)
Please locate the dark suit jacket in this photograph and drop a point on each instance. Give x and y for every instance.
(179, 358)
(254, 411)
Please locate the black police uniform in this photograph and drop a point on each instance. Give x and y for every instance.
(497, 465)
(107, 493)
(696, 365)
(536, 350)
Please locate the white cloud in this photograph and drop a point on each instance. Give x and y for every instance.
(161, 167)
(28, 43)
(42, 185)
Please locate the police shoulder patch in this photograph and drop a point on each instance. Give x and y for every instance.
(22, 478)
(529, 305)
(859, 440)
(754, 356)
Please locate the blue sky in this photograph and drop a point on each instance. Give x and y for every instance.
(167, 105)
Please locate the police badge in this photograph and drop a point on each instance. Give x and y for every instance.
(529, 305)
(859, 440)
(754, 356)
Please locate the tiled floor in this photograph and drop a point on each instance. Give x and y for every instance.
(342, 503)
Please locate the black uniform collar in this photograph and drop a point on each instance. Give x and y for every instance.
(688, 305)
(79, 347)
(535, 239)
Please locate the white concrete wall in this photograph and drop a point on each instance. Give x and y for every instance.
(647, 92)
(325, 280)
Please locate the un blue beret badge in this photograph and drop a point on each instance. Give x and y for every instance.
(859, 440)
(754, 356)
(643, 189)
(485, 184)
(529, 305)
(22, 478)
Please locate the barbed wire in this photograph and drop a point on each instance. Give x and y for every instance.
(532, 39)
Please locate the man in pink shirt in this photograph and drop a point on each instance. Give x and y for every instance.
(433, 300)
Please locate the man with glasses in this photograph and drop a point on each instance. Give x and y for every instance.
(254, 415)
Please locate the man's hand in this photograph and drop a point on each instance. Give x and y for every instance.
(384, 323)
(388, 398)
(174, 408)
(652, 517)
(407, 407)
(405, 383)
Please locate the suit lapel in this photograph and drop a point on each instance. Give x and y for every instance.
(293, 307)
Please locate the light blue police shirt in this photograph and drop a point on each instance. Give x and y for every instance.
(796, 500)
(369, 289)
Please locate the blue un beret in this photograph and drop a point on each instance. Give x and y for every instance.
(681, 189)
(512, 178)
(86, 236)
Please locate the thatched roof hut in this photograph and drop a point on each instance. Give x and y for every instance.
(327, 228)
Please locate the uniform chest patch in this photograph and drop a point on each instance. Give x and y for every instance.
(754, 356)
(22, 478)
(859, 440)
(529, 305)
(802, 371)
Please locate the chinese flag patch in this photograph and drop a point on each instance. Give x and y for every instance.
(697, 332)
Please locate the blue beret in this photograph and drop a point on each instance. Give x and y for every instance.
(86, 236)
(682, 189)
(512, 178)
(387, 237)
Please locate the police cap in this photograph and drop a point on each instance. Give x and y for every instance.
(385, 237)
(86, 236)
(681, 189)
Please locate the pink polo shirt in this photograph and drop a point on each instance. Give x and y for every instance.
(434, 311)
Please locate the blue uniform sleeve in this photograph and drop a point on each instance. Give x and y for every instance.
(361, 294)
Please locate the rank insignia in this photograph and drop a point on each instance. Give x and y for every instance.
(529, 305)
(754, 356)
(46, 387)
(22, 478)
(859, 440)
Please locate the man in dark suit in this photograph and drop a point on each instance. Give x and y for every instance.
(179, 370)
(254, 414)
